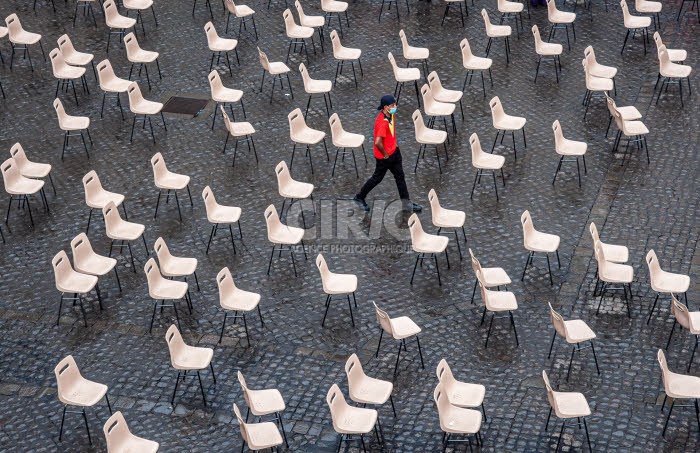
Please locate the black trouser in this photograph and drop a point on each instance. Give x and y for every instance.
(395, 166)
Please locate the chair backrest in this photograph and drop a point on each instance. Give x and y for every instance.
(487, 21)
(13, 25)
(383, 319)
(134, 92)
(496, 109)
(111, 215)
(17, 153)
(272, 220)
(558, 134)
(81, 247)
(336, 126)
(435, 207)
(322, 268)
(116, 432)
(336, 403)
(611, 104)
(538, 38)
(415, 227)
(427, 94)
(283, 175)
(231, 6)
(444, 374)
(131, 44)
(557, 320)
(476, 264)
(153, 275)
(551, 8)
(300, 11)
(335, 40)
(392, 60)
(466, 50)
(60, 111)
(162, 251)
(91, 185)
(67, 375)
(225, 283)
(210, 30)
(105, 72)
(175, 342)
(57, 61)
(418, 123)
(657, 40)
(434, 81)
(625, 12)
(654, 266)
(550, 392)
(264, 62)
(354, 371)
(680, 311)
(441, 401)
(244, 386)
(241, 423)
(404, 41)
(215, 84)
(296, 122)
(65, 45)
(62, 268)
(158, 165)
(528, 227)
(209, 200)
(589, 53)
(661, 357)
(111, 11)
(227, 120)
(600, 257)
(664, 60)
(594, 233)
(475, 145)
(288, 20)
(305, 77)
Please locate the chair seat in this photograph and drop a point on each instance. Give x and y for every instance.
(501, 300)
(318, 86)
(355, 420)
(349, 53)
(139, 444)
(682, 386)
(510, 123)
(605, 72)
(25, 37)
(445, 95)
(121, 22)
(339, 283)
(598, 84)
(498, 31)
(244, 11)
(494, 276)
(439, 109)
(308, 136)
(69, 72)
(430, 243)
(296, 189)
(577, 331)
(146, 107)
(35, 169)
(240, 300)
(76, 282)
(629, 113)
(617, 273)
(299, 32)
(78, 58)
(458, 420)
(668, 282)
(267, 401)
(465, 394)
(125, 231)
(694, 317)
(99, 200)
(168, 290)
(143, 56)
(224, 214)
(115, 85)
(549, 49)
(241, 128)
(477, 63)
(83, 393)
(287, 235)
(675, 70)
(23, 186)
(677, 55)
(3, 32)
(615, 253)
(562, 17)
(404, 327)
(571, 404)
(333, 6)
(644, 6)
(95, 264)
(177, 266)
(371, 391)
(634, 128)
(638, 22)
(542, 242)
(416, 53)
(510, 7)
(192, 358)
(277, 67)
(137, 4)
(313, 21)
(263, 435)
(431, 137)
(222, 44)
(571, 148)
(172, 181)
(224, 94)
(348, 140)
(407, 74)
(449, 218)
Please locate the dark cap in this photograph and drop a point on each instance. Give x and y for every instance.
(387, 99)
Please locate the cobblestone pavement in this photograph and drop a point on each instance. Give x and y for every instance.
(639, 205)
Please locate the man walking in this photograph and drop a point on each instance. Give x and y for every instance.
(387, 155)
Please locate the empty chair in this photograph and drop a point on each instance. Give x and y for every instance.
(538, 242)
(96, 197)
(116, 23)
(222, 95)
(19, 187)
(595, 86)
(186, 358)
(459, 3)
(218, 45)
(349, 420)
(693, 4)
(315, 22)
(688, 320)
(575, 331)
(75, 390)
(448, 219)
(73, 57)
(648, 7)
(208, 4)
(335, 8)
(221, 217)
(87, 10)
(69, 124)
(241, 130)
(297, 34)
(312, 86)
(122, 231)
(442, 94)
(401, 329)
(282, 237)
(610, 274)
(663, 281)
(174, 266)
(396, 4)
(634, 24)
(458, 393)
(613, 253)
(570, 406)
(627, 113)
(140, 58)
(301, 134)
(20, 39)
(72, 282)
(258, 436)
(496, 32)
(671, 72)
(343, 54)
(290, 189)
(485, 163)
(344, 140)
(489, 277)
(511, 10)
(496, 302)
(111, 84)
(569, 150)
(677, 386)
(363, 389)
(140, 106)
(558, 20)
(404, 76)
(675, 55)
(455, 420)
(86, 261)
(426, 244)
(29, 169)
(414, 54)
(166, 180)
(436, 109)
(425, 137)
(599, 70)
(244, 14)
(138, 6)
(546, 51)
(161, 289)
(504, 123)
(335, 284)
(473, 63)
(232, 298)
(121, 440)
(264, 402)
(634, 131)
(277, 70)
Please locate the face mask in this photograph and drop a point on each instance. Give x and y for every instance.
(392, 110)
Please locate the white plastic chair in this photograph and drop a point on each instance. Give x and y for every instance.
(218, 45)
(223, 95)
(241, 131)
(344, 140)
(400, 328)
(455, 420)
(282, 237)
(570, 406)
(426, 137)
(671, 73)
(166, 180)
(335, 284)
(634, 24)
(473, 63)
(122, 231)
(111, 84)
(575, 332)
(448, 219)
(538, 242)
(69, 124)
(121, 440)
(345, 54)
(426, 244)
(19, 187)
(244, 13)
(677, 386)
(504, 123)
(218, 214)
(72, 282)
(297, 34)
(663, 281)
(140, 106)
(546, 51)
(29, 169)
(277, 70)
(489, 277)
(139, 57)
(188, 358)
(20, 39)
(568, 149)
(315, 86)
(496, 32)
(232, 298)
(301, 134)
(485, 164)
(116, 23)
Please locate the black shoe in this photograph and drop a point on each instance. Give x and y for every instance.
(408, 206)
(361, 203)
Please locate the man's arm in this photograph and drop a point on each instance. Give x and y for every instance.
(379, 143)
